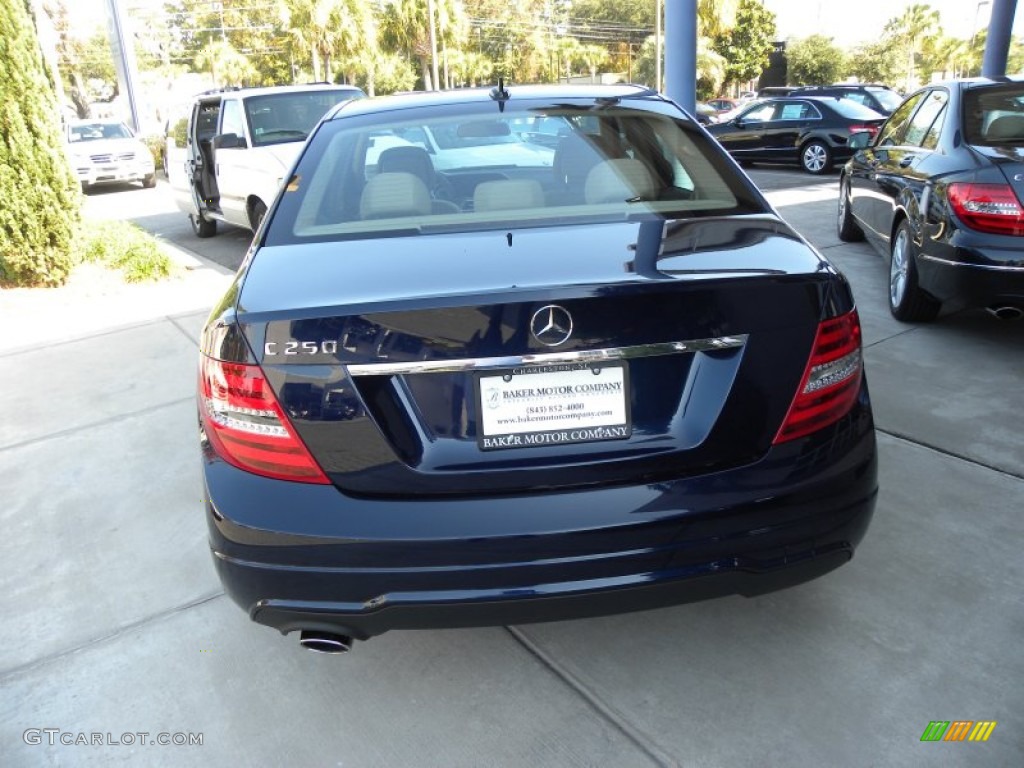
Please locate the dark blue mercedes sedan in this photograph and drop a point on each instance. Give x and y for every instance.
(463, 380)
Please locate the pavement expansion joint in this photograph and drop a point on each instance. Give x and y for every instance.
(643, 741)
(950, 454)
(176, 324)
(94, 424)
(85, 337)
(27, 668)
(904, 332)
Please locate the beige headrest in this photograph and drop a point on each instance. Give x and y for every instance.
(390, 195)
(615, 181)
(506, 195)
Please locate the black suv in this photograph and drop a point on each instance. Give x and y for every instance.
(880, 98)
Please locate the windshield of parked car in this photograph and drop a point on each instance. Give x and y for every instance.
(364, 175)
(281, 117)
(994, 115)
(96, 131)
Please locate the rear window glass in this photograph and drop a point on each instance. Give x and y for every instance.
(854, 111)
(417, 171)
(995, 115)
(887, 98)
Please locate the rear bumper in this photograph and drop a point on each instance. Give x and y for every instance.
(966, 283)
(308, 557)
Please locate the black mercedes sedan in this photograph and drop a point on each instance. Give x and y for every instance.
(812, 132)
(938, 191)
(518, 389)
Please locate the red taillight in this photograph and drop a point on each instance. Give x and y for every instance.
(246, 426)
(987, 207)
(872, 129)
(831, 380)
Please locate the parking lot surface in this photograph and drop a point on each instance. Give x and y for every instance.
(115, 624)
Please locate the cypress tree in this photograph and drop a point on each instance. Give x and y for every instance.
(39, 196)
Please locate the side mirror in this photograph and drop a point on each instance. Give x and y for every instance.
(860, 139)
(229, 141)
(739, 122)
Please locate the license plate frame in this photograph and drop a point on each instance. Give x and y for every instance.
(546, 405)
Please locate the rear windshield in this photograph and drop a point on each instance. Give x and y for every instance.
(854, 111)
(994, 115)
(429, 170)
(282, 117)
(887, 98)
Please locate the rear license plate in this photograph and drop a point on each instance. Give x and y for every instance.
(552, 405)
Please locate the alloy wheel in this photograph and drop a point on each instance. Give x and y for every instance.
(815, 157)
(898, 267)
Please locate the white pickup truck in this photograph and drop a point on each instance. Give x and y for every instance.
(227, 157)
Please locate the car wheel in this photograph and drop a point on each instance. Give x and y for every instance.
(846, 226)
(907, 301)
(149, 181)
(816, 157)
(256, 213)
(202, 227)
(85, 187)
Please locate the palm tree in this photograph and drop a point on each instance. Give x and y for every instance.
(326, 29)
(918, 22)
(405, 28)
(948, 55)
(715, 17)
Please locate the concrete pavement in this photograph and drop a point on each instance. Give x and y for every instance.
(115, 623)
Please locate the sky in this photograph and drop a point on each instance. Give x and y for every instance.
(852, 22)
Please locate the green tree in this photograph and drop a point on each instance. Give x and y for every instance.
(875, 63)
(747, 47)
(716, 17)
(910, 30)
(814, 60)
(638, 14)
(712, 70)
(40, 209)
(187, 30)
(226, 65)
(945, 55)
(404, 30)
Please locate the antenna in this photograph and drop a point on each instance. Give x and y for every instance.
(500, 94)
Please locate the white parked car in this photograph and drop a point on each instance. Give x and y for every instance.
(477, 143)
(227, 155)
(107, 152)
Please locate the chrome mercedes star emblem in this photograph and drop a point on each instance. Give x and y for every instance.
(551, 325)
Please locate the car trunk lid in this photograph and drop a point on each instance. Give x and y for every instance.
(427, 371)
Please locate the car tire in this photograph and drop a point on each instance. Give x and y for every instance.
(149, 181)
(907, 301)
(257, 211)
(816, 157)
(846, 225)
(202, 227)
(85, 187)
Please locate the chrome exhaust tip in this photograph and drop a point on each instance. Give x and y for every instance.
(1006, 312)
(325, 642)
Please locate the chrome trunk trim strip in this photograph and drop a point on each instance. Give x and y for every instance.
(549, 358)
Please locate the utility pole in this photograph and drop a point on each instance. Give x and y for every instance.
(658, 46)
(433, 45)
(123, 49)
